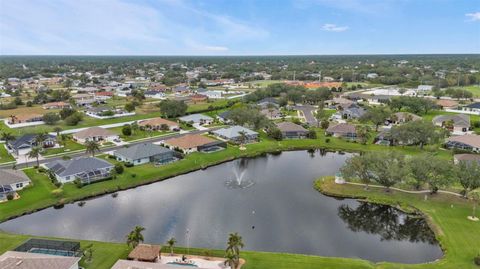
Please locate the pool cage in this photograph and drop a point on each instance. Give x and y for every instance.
(51, 247)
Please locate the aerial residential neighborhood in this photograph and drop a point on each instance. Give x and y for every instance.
(239, 135)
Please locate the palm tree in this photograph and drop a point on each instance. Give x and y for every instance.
(134, 127)
(92, 147)
(135, 237)
(7, 136)
(171, 242)
(35, 153)
(40, 139)
(363, 133)
(319, 114)
(243, 137)
(230, 259)
(57, 130)
(234, 244)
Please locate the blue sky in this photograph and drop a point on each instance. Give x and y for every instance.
(238, 27)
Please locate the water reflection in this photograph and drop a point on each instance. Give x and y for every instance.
(387, 222)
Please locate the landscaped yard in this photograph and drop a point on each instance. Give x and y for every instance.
(4, 155)
(70, 146)
(139, 134)
(475, 89)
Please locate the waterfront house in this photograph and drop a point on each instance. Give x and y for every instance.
(446, 103)
(86, 169)
(466, 157)
(159, 124)
(28, 260)
(292, 130)
(24, 144)
(144, 153)
(96, 134)
(194, 142)
(12, 181)
(234, 134)
(473, 108)
(344, 130)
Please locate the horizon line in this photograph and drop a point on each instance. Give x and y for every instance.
(227, 55)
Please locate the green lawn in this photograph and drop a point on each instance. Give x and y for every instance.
(446, 214)
(4, 155)
(70, 146)
(139, 134)
(475, 90)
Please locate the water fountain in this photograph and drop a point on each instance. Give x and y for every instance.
(238, 182)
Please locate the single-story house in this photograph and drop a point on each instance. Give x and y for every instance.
(84, 100)
(402, 117)
(266, 102)
(384, 138)
(129, 264)
(24, 118)
(446, 103)
(292, 130)
(194, 142)
(145, 253)
(56, 105)
(344, 130)
(456, 123)
(29, 260)
(103, 96)
(103, 112)
(469, 158)
(197, 119)
(353, 111)
(86, 169)
(474, 107)
(198, 98)
(339, 102)
(234, 134)
(154, 94)
(144, 153)
(213, 94)
(180, 89)
(271, 113)
(95, 133)
(158, 124)
(25, 143)
(223, 117)
(12, 181)
(469, 142)
(424, 88)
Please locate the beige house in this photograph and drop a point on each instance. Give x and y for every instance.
(96, 134)
(156, 124)
(27, 260)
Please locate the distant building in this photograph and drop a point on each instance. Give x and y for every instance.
(197, 119)
(292, 130)
(194, 142)
(458, 124)
(158, 124)
(469, 142)
(85, 169)
(24, 144)
(145, 153)
(234, 134)
(343, 130)
(96, 134)
(424, 88)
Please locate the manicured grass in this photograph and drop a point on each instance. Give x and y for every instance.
(139, 134)
(474, 89)
(446, 214)
(4, 155)
(70, 146)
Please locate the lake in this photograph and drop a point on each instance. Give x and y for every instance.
(279, 212)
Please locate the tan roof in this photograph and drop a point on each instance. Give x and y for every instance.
(469, 139)
(189, 141)
(25, 260)
(93, 131)
(287, 126)
(145, 252)
(403, 116)
(55, 104)
(157, 122)
(446, 103)
(342, 128)
(24, 117)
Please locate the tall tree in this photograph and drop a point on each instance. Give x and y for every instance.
(363, 133)
(234, 244)
(135, 237)
(417, 133)
(91, 147)
(376, 115)
(388, 168)
(359, 167)
(171, 243)
(468, 174)
(35, 153)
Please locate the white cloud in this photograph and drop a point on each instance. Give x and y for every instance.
(371, 7)
(330, 27)
(475, 16)
(216, 48)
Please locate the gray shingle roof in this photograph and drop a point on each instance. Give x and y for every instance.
(76, 166)
(233, 132)
(474, 105)
(287, 126)
(458, 119)
(28, 139)
(9, 176)
(141, 151)
(195, 118)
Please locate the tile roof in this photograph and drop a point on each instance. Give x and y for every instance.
(342, 128)
(474, 105)
(189, 141)
(195, 118)
(141, 151)
(157, 122)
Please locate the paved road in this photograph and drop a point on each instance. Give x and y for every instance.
(308, 111)
(103, 150)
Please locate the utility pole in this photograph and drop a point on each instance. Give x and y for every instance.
(293, 75)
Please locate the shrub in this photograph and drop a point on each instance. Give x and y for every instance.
(66, 112)
(78, 183)
(476, 124)
(127, 130)
(57, 184)
(57, 192)
(73, 119)
(112, 157)
(134, 175)
(10, 196)
(327, 140)
(41, 170)
(275, 133)
(51, 118)
(119, 168)
(128, 164)
(312, 134)
(476, 260)
(324, 124)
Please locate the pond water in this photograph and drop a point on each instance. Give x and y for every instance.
(276, 210)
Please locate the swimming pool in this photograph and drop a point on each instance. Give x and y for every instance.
(182, 264)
